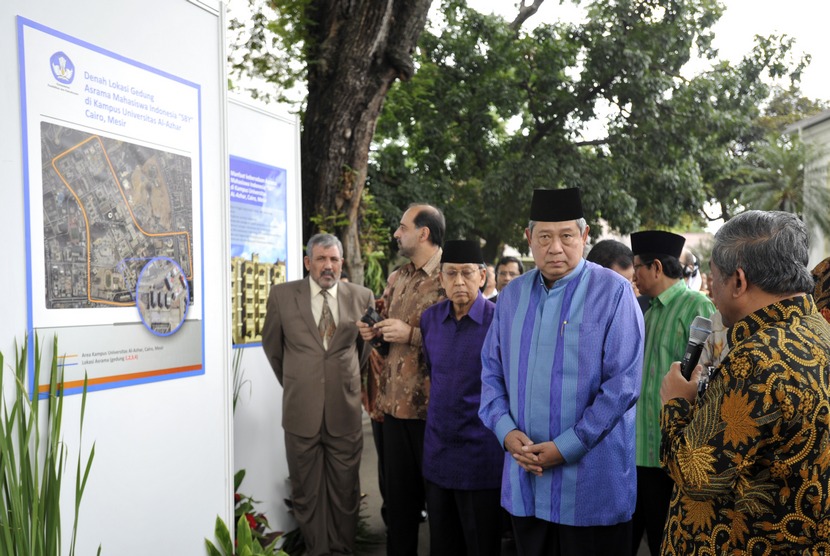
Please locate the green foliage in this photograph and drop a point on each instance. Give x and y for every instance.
(776, 181)
(33, 461)
(329, 224)
(270, 44)
(494, 113)
(374, 276)
(250, 536)
(246, 543)
(239, 381)
(244, 508)
(786, 107)
(374, 238)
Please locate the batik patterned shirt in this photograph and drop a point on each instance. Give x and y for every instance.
(821, 295)
(750, 460)
(404, 384)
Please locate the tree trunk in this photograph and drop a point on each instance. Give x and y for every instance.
(357, 49)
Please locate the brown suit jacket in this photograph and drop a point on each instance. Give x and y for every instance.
(316, 383)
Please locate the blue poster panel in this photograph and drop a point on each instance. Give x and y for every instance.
(258, 224)
(258, 243)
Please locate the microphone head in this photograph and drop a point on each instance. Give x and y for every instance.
(699, 330)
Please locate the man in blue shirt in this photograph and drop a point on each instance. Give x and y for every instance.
(462, 499)
(561, 375)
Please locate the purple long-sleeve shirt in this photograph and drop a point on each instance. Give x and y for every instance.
(564, 364)
(459, 451)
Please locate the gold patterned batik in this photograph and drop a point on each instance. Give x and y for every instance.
(750, 460)
(821, 295)
(404, 384)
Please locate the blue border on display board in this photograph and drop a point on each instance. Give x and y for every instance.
(23, 23)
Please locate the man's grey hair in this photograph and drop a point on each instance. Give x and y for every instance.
(324, 241)
(580, 223)
(771, 248)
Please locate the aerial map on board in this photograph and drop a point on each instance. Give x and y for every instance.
(109, 207)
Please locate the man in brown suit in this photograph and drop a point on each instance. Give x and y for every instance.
(313, 345)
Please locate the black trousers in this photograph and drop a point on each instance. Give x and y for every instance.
(464, 522)
(537, 537)
(377, 437)
(403, 455)
(654, 488)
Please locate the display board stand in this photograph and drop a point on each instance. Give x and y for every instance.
(114, 158)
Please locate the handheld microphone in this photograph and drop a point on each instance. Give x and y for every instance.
(698, 332)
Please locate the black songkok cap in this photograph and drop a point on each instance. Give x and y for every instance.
(556, 205)
(462, 251)
(656, 242)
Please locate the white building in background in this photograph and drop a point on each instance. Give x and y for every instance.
(815, 132)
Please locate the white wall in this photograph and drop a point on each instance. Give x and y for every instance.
(259, 446)
(162, 469)
(270, 135)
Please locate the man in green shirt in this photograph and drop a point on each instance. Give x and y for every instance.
(658, 274)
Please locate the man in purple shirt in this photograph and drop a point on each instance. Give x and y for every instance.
(462, 459)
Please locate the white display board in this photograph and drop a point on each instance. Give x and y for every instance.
(112, 173)
(264, 140)
(268, 135)
(163, 448)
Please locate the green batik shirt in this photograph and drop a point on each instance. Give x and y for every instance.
(667, 333)
(751, 460)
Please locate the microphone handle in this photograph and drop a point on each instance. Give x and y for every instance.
(690, 359)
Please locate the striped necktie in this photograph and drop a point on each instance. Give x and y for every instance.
(326, 325)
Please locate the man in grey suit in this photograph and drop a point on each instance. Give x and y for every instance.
(313, 345)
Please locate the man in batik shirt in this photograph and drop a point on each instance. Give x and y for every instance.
(404, 385)
(658, 273)
(750, 459)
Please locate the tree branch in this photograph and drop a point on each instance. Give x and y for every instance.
(542, 129)
(525, 12)
(591, 143)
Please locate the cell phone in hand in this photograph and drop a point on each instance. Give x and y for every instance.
(371, 316)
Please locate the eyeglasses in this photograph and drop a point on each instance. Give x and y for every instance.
(640, 265)
(466, 273)
(567, 239)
